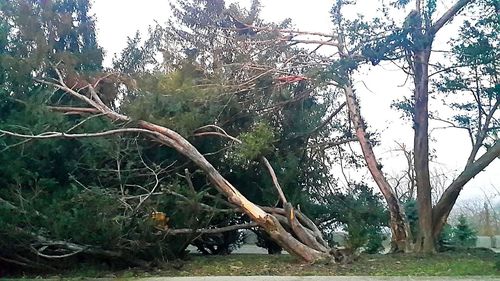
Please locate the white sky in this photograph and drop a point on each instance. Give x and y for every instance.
(117, 19)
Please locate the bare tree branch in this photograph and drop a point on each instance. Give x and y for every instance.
(210, 230)
(275, 180)
(447, 16)
(52, 135)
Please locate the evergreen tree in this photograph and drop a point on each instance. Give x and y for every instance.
(462, 234)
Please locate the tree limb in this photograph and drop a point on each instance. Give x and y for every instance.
(275, 180)
(447, 16)
(52, 135)
(210, 230)
(442, 209)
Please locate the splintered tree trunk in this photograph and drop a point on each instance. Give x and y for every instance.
(267, 221)
(302, 242)
(399, 228)
(425, 241)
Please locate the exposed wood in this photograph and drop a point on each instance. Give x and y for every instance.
(399, 241)
(312, 226)
(301, 232)
(51, 135)
(73, 110)
(172, 139)
(275, 180)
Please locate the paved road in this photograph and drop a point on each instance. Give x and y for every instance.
(317, 278)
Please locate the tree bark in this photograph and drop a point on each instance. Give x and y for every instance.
(425, 241)
(423, 36)
(399, 238)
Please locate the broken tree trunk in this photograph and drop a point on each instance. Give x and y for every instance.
(299, 244)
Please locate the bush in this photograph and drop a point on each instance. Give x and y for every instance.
(411, 211)
(445, 238)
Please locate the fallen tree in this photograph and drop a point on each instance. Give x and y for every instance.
(291, 229)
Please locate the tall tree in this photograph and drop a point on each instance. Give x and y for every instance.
(413, 42)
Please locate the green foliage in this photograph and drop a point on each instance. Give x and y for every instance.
(256, 143)
(28, 46)
(89, 217)
(400, 3)
(461, 235)
(360, 212)
(359, 235)
(445, 238)
(472, 90)
(100, 192)
(174, 101)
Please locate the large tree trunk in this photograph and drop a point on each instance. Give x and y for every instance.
(399, 228)
(423, 35)
(425, 241)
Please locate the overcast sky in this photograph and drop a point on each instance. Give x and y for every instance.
(117, 19)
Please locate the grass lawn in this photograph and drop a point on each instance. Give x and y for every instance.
(473, 262)
(444, 264)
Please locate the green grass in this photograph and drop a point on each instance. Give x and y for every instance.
(474, 262)
(447, 264)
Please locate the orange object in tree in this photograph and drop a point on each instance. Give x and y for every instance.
(160, 219)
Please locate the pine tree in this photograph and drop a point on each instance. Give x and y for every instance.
(463, 235)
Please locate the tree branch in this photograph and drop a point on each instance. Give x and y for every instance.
(52, 135)
(275, 180)
(447, 16)
(73, 110)
(326, 145)
(210, 230)
(442, 209)
(264, 159)
(481, 135)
